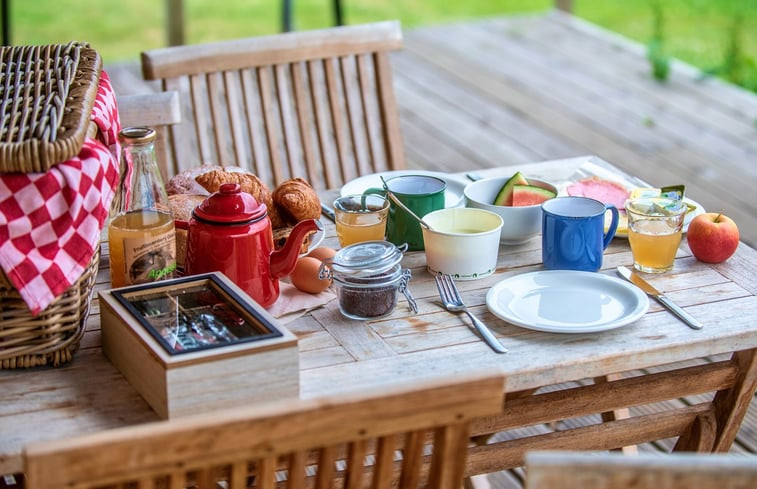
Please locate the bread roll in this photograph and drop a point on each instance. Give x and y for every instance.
(185, 183)
(211, 181)
(297, 200)
(182, 206)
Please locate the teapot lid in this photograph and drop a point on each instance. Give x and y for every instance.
(229, 206)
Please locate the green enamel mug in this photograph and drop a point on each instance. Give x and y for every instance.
(421, 194)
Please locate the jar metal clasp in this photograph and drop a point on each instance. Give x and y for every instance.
(406, 275)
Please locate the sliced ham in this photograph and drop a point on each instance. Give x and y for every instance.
(602, 190)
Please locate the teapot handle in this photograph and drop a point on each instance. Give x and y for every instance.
(181, 224)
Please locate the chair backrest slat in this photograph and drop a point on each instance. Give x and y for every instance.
(367, 93)
(313, 104)
(296, 474)
(316, 71)
(236, 114)
(160, 111)
(238, 476)
(354, 462)
(388, 107)
(304, 121)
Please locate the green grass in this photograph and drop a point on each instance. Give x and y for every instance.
(696, 31)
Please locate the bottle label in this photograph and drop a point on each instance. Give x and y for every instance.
(149, 258)
(142, 248)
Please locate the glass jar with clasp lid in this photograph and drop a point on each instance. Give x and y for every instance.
(367, 277)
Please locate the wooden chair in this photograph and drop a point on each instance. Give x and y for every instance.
(313, 104)
(156, 110)
(407, 438)
(557, 470)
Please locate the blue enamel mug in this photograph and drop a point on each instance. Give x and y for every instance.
(573, 233)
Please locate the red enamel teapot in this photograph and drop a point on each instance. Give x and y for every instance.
(230, 232)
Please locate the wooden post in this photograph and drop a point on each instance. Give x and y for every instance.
(338, 16)
(6, 22)
(286, 16)
(564, 5)
(175, 22)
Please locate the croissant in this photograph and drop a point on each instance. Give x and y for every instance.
(250, 183)
(297, 200)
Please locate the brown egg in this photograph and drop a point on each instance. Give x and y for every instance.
(305, 275)
(322, 253)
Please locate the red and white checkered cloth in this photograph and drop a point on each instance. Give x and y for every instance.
(50, 223)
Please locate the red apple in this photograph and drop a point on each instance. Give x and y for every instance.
(712, 237)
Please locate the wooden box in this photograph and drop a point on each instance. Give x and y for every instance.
(197, 343)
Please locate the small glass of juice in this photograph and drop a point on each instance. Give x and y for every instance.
(655, 226)
(360, 218)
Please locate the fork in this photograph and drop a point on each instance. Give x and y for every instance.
(454, 303)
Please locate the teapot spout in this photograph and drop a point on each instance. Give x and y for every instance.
(282, 261)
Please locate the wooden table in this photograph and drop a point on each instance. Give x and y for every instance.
(337, 355)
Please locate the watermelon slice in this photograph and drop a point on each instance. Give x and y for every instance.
(505, 195)
(524, 195)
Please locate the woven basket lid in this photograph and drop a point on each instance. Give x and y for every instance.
(46, 98)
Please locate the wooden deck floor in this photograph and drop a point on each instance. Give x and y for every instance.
(519, 89)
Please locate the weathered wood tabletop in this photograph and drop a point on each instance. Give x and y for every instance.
(338, 355)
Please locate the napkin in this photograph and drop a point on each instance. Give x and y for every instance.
(293, 303)
(50, 222)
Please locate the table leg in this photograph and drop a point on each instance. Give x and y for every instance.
(732, 404)
(715, 431)
(617, 414)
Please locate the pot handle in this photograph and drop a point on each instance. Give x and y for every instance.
(181, 224)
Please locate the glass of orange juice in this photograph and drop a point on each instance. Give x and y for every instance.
(655, 226)
(360, 217)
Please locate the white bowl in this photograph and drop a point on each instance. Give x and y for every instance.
(463, 242)
(520, 223)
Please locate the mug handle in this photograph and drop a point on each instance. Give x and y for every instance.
(613, 225)
(374, 190)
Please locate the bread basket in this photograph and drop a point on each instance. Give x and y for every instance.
(46, 99)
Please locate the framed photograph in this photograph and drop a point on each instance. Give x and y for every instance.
(194, 313)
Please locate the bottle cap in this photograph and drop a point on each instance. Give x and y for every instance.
(137, 135)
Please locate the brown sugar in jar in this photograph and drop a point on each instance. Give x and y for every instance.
(368, 277)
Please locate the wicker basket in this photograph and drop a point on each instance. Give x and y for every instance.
(46, 98)
(52, 337)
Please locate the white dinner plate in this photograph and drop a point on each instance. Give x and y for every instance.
(622, 231)
(453, 195)
(564, 301)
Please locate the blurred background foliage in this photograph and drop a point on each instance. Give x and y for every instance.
(718, 36)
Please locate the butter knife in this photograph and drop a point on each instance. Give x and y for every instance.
(328, 212)
(639, 281)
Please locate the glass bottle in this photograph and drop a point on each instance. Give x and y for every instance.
(141, 231)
